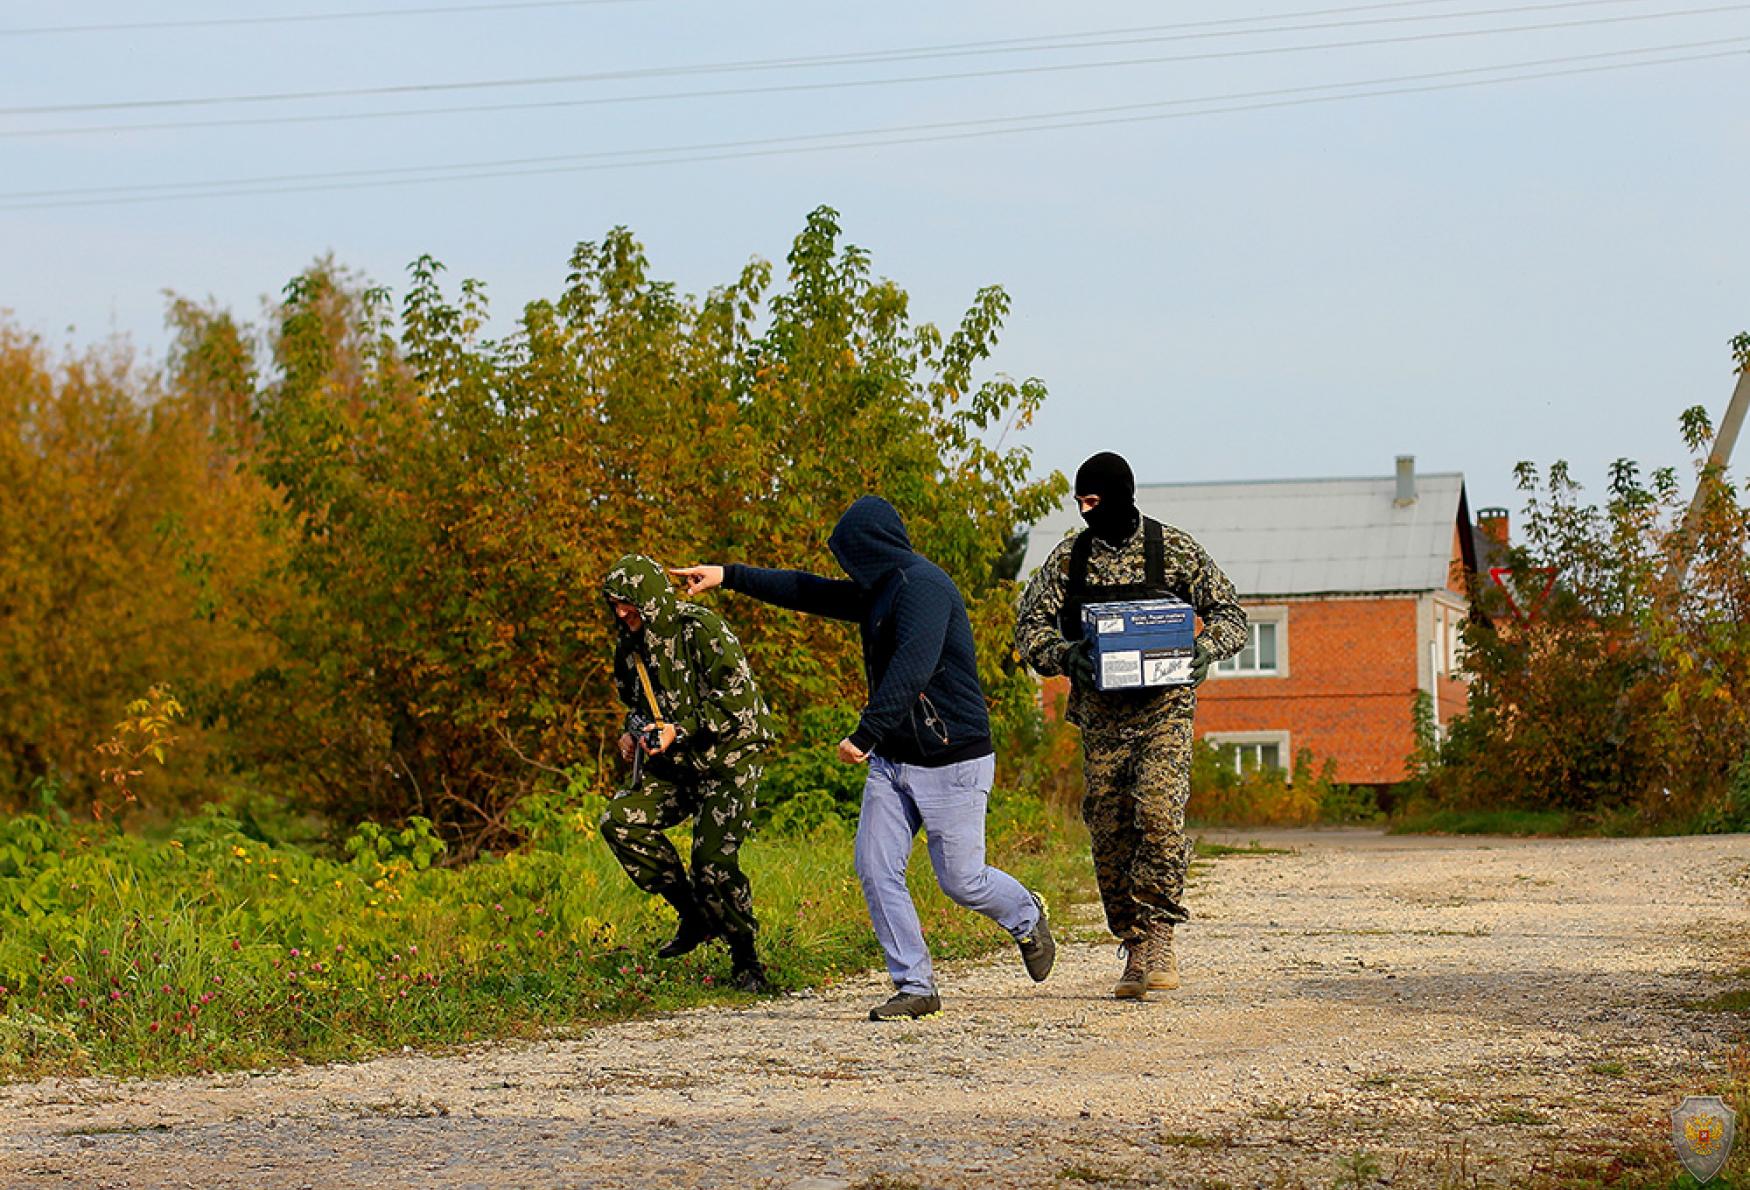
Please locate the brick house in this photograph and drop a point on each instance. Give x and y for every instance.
(1355, 591)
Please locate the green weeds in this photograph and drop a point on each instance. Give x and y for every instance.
(212, 949)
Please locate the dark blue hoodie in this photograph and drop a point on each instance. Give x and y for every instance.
(926, 706)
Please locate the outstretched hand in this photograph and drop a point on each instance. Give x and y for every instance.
(699, 579)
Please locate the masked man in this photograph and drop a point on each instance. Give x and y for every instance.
(680, 669)
(1136, 745)
(925, 734)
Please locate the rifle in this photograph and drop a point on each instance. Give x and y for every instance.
(646, 733)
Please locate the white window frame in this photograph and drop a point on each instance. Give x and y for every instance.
(1242, 739)
(1448, 643)
(1276, 614)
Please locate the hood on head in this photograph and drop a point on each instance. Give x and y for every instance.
(870, 541)
(637, 580)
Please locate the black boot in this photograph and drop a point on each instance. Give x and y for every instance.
(746, 974)
(693, 932)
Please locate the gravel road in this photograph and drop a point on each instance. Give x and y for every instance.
(1435, 1012)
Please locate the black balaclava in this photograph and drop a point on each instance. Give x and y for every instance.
(1108, 476)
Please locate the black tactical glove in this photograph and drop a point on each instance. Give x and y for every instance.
(1201, 660)
(1078, 663)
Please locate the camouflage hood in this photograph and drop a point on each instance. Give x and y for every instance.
(703, 684)
(637, 580)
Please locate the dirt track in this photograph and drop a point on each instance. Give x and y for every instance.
(1454, 1009)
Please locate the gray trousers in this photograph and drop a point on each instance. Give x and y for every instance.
(948, 803)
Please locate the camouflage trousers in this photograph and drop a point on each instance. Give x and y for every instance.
(1138, 777)
(720, 802)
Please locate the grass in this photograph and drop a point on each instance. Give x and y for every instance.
(210, 949)
(1518, 1115)
(1486, 822)
(1357, 1169)
(1735, 999)
(1195, 1140)
(1208, 850)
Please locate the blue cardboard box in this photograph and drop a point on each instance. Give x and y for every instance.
(1141, 643)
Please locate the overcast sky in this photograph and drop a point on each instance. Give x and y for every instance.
(1544, 268)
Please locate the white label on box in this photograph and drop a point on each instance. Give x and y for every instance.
(1108, 624)
(1162, 671)
(1119, 670)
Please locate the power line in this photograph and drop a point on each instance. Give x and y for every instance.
(205, 22)
(869, 138)
(1075, 41)
(303, 17)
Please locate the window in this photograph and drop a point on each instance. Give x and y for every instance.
(1266, 651)
(1252, 756)
(1455, 644)
(1251, 751)
(1447, 652)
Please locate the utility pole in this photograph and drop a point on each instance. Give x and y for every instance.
(1725, 438)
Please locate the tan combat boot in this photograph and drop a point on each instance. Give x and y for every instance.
(1133, 984)
(1158, 959)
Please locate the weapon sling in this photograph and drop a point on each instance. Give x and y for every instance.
(649, 690)
(655, 717)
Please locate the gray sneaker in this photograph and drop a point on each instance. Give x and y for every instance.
(1038, 949)
(906, 1006)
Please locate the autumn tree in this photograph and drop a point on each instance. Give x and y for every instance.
(128, 536)
(452, 502)
(1627, 693)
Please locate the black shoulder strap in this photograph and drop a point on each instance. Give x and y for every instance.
(1154, 552)
(1075, 594)
(1078, 565)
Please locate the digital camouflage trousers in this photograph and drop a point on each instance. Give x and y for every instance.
(720, 802)
(1138, 777)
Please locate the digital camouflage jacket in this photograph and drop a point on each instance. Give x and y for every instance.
(1191, 575)
(704, 686)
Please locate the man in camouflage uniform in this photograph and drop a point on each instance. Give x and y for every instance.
(1136, 745)
(714, 728)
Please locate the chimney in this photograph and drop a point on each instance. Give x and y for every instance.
(1492, 522)
(1406, 481)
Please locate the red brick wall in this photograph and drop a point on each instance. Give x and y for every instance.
(1349, 691)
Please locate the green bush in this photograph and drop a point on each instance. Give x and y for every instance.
(1620, 701)
(208, 948)
(1222, 795)
(804, 783)
(1731, 813)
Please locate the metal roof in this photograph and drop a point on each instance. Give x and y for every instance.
(1301, 536)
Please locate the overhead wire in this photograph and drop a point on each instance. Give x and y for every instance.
(869, 138)
(199, 22)
(183, 24)
(1064, 42)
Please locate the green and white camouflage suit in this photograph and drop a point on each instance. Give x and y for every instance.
(1136, 745)
(710, 774)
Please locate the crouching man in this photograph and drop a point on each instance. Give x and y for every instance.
(703, 728)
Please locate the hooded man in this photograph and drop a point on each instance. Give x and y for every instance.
(925, 733)
(712, 731)
(1136, 744)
